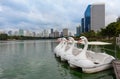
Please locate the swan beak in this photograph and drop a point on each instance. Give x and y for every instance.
(67, 41)
(80, 41)
(58, 40)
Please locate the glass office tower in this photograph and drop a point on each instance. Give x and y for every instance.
(78, 31)
(87, 18)
(82, 24)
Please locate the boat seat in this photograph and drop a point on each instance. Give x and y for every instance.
(76, 51)
(98, 57)
(67, 47)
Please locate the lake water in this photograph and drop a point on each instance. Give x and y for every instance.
(36, 60)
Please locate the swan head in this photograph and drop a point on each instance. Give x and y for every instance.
(64, 39)
(83, 39)
(59, 39)
(71, 39)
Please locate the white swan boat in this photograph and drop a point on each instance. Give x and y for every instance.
(70, 51)
(57, 47)
(91, 62)
(60, 46)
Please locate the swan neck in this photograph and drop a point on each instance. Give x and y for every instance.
(72, 44)
(86, 45)
(82, 55)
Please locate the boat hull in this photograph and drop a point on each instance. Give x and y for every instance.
(97, 68)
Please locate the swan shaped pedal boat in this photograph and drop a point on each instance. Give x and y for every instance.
(70, 51)
(60, 46)
(91, 62)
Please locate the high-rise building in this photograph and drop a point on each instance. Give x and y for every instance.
(65, 32)
(82, 25)
(70, 34)
(33, 34)
(28, 33)
(45, 33)
(87, 18)
(56, 33)
(61, 34)
(78, 31)
(51, 31)
(21, 32)
(94, 17)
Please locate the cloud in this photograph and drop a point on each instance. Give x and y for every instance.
(46, 14)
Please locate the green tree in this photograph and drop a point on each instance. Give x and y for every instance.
(111, 29)
(117, 28)
(3, 36)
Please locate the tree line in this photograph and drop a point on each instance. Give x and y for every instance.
(6, 37)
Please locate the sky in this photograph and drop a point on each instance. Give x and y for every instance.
(37, 15)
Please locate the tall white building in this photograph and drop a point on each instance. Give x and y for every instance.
(97, 16)
(28, 33)
(56, 33)
(65, 32)
(45, 33)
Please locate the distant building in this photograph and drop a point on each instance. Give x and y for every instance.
(33, 34)
(21, 32)
(78, 31)
(52, 31)
(61, 34)
(39, 34)
(28, 33)
(94, 17)
(16, 33)
(2, 32)
(51, 35)
(45, 33)
(82, 25)
(70, 34)
(65, 32)
(56, 33)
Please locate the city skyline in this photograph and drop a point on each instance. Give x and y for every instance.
(38, 14)
(44, 33)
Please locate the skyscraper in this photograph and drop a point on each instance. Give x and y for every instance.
(87, 19)
(51, 31)
(82, 25)
(56, 34)
(45, 33)
(65, 32)
(94, 17)
(21, 32)
(78, 31)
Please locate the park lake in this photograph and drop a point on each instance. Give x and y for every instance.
(34, 59)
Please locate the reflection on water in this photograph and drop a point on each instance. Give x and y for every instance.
(35, 60)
